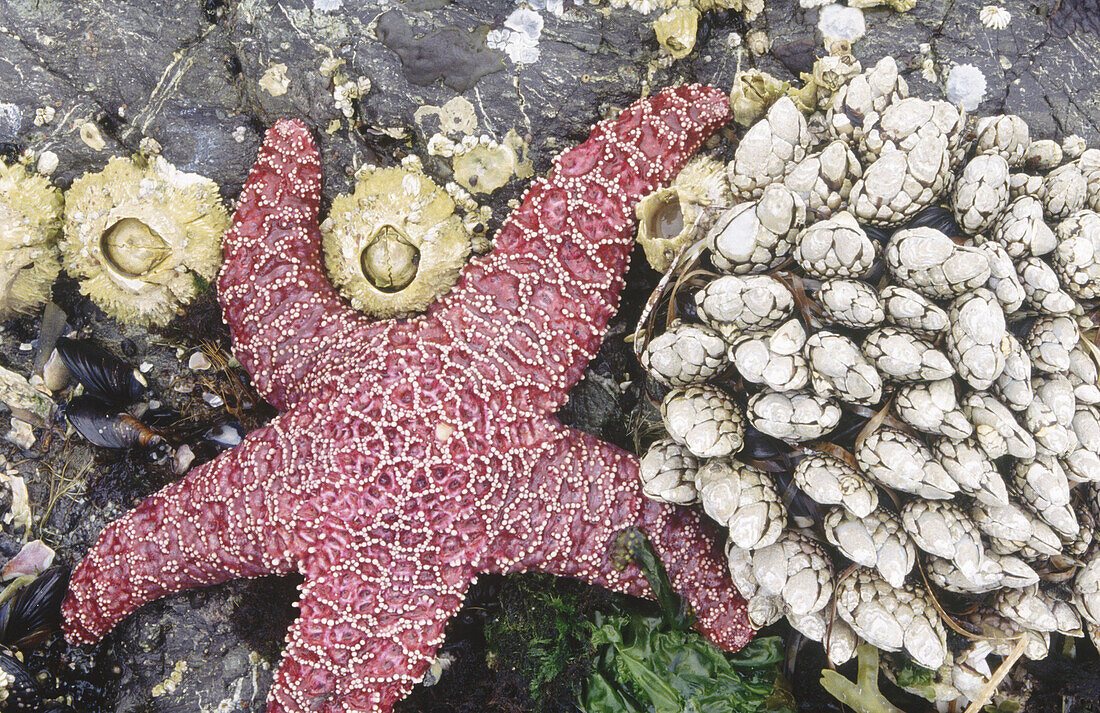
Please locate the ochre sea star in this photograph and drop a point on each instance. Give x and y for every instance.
(413, 454)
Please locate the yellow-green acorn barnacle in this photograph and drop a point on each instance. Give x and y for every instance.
(138, 236)
(30, 218)
(669, 218)
(395, 243)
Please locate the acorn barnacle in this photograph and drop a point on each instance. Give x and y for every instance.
(142, 236)
(30, 218)
(671, 217)
(396, 243)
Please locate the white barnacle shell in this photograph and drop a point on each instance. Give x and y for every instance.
(1050, 342)
(900, 183)
(830, 481)
(995, 17)
(797, 568)
(743, 499)
(1042, 290)
(734, 303)
(899, 461)
(1089, 163)
(1010, 528)
(685, 354)
(792, 416)
(1064, 192)
(824, 180)
(837, 247)
(1003, 279)
(1077, 257)
(1042, 155)
(931, 407)
(1005, 135)
(30, 219)
(1042, 484)
(757, 236)
(851, 303)
(876, 540)
(137, 235)
(965, 86)
(768, 148)
(970, 467)
(774, 359)
(1084, 376)
(911, 310)
(975, 338)
(995, 428)
(1086, 590)
(905, 356)
(667, 471)
(942, 528)
(1013, 386)
(995, 571)
(1002, 634)
(905, 124)
(838, 368)
(1026, 607)
(1049, 416)
(867, 93)
(931, 263)
(704, 419)
(980, 194)
(893, 618)
(1021, 231)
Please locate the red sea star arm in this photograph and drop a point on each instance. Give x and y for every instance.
(373, 613)
(529, 316)
(216, 524)
(286, 319)
(570, 494)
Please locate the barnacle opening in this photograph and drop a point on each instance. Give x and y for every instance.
(390, 260)
(396, 243)
(133, 248)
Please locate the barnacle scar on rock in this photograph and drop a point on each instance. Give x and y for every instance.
(394, 244)
(30, 218)
(140, 235)
(669, 218)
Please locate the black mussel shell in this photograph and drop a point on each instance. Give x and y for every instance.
(103, 376)
(103, 425)
(878, 234)
(23, 693)
(939, 218)
(34, 611)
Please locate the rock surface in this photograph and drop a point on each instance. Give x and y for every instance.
(204, 78)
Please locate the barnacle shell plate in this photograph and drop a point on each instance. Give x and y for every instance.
(137, 236)
(30, 217)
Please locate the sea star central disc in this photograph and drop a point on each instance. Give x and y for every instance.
(413, 454)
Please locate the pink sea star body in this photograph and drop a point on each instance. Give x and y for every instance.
(412, 455)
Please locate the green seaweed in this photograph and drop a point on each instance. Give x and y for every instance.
(861, 695)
